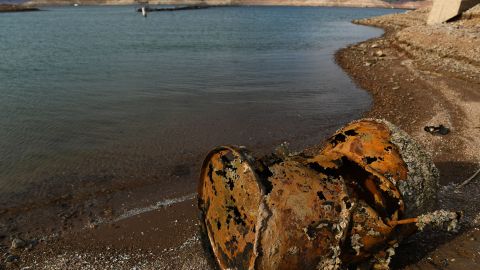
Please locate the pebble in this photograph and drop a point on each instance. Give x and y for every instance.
(18, 243)
(31, 244)
(396, 87)
(380, 53)
(12, 258)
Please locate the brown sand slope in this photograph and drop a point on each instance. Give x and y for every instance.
(447, 58)
(429, 75)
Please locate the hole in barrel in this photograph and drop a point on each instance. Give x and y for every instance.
(365, 185)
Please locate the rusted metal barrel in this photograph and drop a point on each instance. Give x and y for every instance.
(342, 206)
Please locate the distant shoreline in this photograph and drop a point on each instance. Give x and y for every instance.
(16, 8)
(311, 3)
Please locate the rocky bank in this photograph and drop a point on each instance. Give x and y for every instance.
(16, 8)
(423, 76)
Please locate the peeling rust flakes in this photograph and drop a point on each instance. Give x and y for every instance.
(293, 212)
(338, 207)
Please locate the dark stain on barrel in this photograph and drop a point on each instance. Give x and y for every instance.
(229, 183)
(221, 173)
(338, 139)
(240, 260)
(321, 196)
(370, 160)
(316, 167)
(351, 132)
(237, 217)
(210, 177)
(232, 245)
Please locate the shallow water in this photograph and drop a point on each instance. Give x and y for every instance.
(99, 96)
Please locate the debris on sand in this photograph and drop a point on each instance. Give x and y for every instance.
(440, 219)
(437, 130)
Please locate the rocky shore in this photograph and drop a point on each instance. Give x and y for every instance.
(418, 76)
(16, 8)
(422, 76)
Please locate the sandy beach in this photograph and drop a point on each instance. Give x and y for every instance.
(417, 75)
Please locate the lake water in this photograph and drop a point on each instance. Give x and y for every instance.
(94, 97)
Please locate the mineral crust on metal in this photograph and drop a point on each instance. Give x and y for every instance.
(347, 205)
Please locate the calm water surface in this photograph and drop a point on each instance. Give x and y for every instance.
(99, 96)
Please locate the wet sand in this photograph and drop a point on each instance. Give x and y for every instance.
(407, 90)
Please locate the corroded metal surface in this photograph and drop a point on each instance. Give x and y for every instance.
(339, 207)
(363, 152)
(371, 165)
(308, 218)
(229, 198)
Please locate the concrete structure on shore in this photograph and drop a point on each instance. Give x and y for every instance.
(444, 10)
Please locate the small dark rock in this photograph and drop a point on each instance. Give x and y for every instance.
(12, 258)
(31, 244)
(18, 243)
(437, 130)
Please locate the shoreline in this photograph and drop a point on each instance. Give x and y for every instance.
(134, 241)
(408, 5)
(7, 8)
